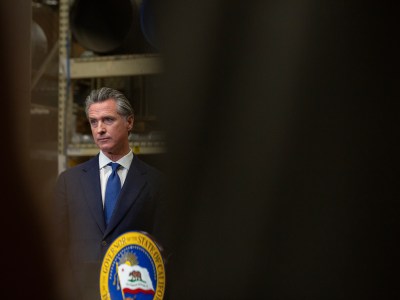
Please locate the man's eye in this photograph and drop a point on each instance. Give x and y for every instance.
(93, 123)
(108, 121)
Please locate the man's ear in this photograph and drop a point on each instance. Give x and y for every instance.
(130, 121)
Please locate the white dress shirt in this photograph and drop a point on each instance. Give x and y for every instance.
(105, 170)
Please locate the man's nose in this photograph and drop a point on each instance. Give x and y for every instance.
(100, 127)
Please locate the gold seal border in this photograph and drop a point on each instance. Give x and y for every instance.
(127, 239)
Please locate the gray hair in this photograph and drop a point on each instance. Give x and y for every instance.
(124, 108)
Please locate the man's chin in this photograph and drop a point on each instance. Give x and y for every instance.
(105, 149)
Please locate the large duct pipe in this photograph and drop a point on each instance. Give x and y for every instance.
(148, 22)
(44, 34)
(108, 26)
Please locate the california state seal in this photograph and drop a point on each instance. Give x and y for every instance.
(133, 268)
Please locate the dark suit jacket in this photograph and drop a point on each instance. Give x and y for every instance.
(81, 231)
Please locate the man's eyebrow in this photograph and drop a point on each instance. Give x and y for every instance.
(102, 117)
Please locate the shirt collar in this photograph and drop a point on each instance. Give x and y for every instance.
(123, 161)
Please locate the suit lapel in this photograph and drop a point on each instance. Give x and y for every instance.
(134, 183)
(92, 190)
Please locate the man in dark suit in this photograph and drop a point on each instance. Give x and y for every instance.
(84, 231)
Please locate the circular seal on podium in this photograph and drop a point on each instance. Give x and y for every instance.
(133, 268)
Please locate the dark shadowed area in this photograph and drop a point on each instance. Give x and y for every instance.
(281, 122)
(26, 250)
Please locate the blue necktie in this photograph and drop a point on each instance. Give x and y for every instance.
(112, 190)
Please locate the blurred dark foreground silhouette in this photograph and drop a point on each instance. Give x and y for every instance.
(26, 251)
(281, 121)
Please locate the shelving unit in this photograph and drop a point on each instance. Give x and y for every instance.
(121, 65)
(137, 147)
(93, 68)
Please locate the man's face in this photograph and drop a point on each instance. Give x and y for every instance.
(110, 130)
